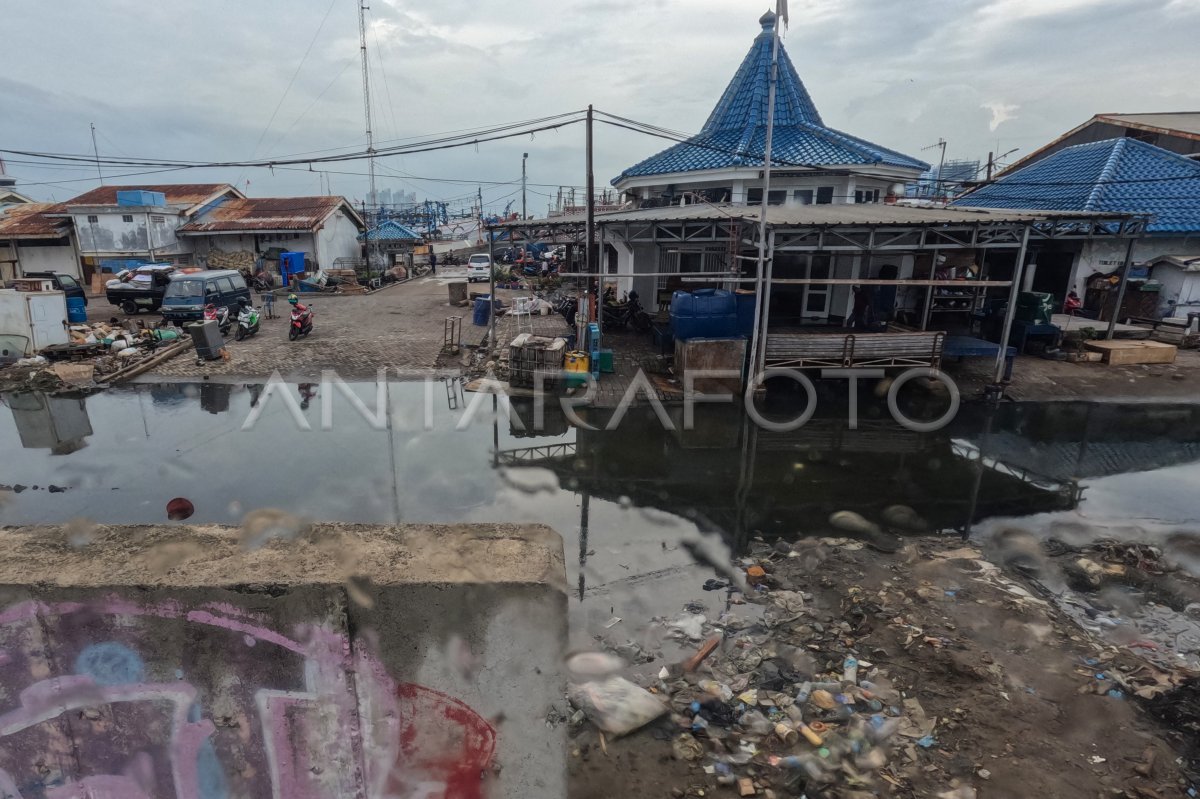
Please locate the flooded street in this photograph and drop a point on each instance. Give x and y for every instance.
(637, 505)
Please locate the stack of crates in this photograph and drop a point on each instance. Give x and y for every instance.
(530, 356)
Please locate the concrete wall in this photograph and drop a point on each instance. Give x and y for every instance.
(110, 234)
(59, 259)
(338, 239)
(1108, 256)
(351, 661)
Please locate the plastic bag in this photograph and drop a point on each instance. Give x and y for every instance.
(616, 705)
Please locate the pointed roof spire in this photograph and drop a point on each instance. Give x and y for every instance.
(735, 131)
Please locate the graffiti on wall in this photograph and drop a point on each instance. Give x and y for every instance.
(119, 700)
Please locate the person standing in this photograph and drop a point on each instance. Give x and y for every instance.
(432, 260)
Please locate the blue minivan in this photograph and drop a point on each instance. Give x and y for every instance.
(189, 292)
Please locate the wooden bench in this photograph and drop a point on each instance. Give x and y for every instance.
(841, 350)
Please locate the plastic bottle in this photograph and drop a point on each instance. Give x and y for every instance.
(699, 723)
(804, 692)
(810, 735)
(850, 669)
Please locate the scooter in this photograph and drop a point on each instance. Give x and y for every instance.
(221, 315)
(247, 321)
(617, 316)
(302, 323)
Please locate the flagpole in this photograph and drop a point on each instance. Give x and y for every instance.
(758, 346)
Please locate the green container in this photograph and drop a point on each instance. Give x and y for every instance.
(575, 379)
(1034, 307)
(606, 361)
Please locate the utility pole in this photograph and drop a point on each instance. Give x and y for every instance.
(479, 198)
(758, 351)
(96, 150)
(524, 157)
(589, 232)
(989, 166)
(371, 196)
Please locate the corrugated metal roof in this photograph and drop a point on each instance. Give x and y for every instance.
(1116, 175)
(184, 194)
(1188, 263)
(268, 213)
(1185, 123)
(863, 215)
(390, 230)
(736, 129)
(34, 221)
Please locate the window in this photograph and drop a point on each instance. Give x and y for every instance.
(825, 195)
(754, 197)
(93, 220)
(803, 196)
(67, 282)
(866, 195)
(224, 284)
(127, 218)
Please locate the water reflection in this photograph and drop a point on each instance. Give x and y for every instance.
(724, 476)
(58, 423)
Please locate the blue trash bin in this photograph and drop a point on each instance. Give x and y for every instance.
(482, 309)
(76, 310)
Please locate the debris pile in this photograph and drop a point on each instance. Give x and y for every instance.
(96, 352)
(779, 700)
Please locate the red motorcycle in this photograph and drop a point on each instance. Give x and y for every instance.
(302, 322)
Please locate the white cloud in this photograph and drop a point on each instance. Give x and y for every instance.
(1001, 113)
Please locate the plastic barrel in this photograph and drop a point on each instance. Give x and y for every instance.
(482, 309)
(76, 310)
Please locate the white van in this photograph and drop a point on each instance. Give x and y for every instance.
(479, 267)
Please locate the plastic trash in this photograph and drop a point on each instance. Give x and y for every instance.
(850, 669)
(688, 748)
(811, 735)
(823, 699)
(691, 625)
(593, 665)
(804, 693)
(615, 704)
(786, 733)
(756, 723)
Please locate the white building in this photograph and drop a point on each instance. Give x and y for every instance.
(138, 223)
(237, 232)
(35, 237)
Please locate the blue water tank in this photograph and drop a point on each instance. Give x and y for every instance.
(76, 310)
(482, 309)
(745, 312)
(141, 197)
(704, 313)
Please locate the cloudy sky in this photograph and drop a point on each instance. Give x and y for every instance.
(211, 81)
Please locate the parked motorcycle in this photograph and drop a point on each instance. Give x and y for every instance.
(247, 320)
(221, 315)
(619, 315)
(302, 323)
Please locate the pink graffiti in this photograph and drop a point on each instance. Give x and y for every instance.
(348, 731)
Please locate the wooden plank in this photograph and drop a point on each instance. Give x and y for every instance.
(1122, 352)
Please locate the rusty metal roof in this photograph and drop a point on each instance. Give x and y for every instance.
(34, 221)
(183, 194)
(256, 214)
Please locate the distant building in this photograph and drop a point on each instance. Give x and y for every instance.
(139, 223)
(238, 231)
(1177, 132)
(36, 237)
(8, 193)
(1122, 175)
(812, 163)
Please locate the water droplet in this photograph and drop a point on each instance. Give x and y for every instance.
(260, 526)
(80, 532)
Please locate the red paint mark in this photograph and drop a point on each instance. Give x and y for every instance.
(442, 741)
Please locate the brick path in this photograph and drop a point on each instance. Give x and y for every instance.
(399, 328)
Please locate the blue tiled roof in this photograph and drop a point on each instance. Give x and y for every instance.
(1117, 175)
(390, 230)
(735, 133)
